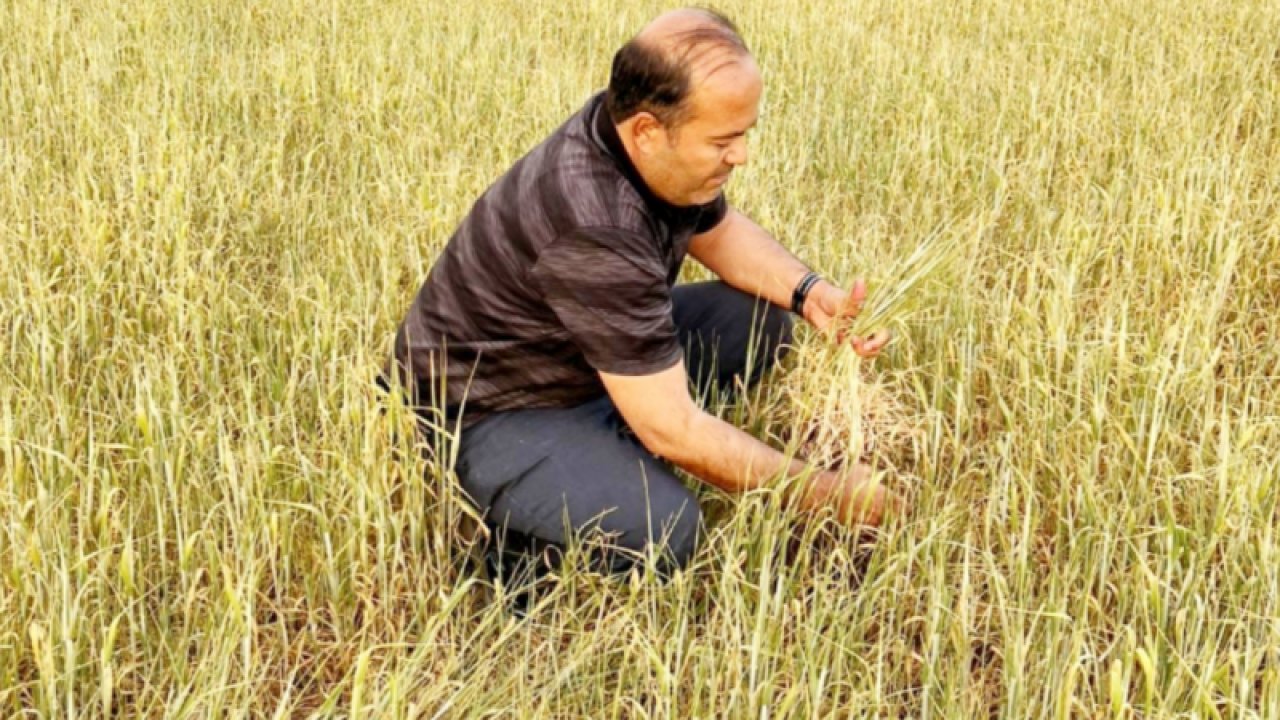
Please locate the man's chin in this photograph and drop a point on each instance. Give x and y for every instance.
(707, 196)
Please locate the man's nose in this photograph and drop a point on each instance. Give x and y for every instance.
(737, 154)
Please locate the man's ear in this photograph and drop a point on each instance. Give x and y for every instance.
(647, 132)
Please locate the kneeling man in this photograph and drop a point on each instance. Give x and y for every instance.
(551, 325)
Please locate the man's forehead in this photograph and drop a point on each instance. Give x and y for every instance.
(706, 63)
(733, 82)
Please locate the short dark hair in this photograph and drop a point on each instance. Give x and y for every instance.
(657, 80)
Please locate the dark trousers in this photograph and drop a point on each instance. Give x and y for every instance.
(541, 476)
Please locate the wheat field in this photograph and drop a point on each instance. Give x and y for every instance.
(213, 215)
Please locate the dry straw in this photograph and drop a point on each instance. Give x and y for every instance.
(839, 409)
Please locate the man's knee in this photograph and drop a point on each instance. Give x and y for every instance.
(666, 533)
(778, 332)
(681, 541)
(771, 336)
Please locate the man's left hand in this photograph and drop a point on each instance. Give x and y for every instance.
(831, 310)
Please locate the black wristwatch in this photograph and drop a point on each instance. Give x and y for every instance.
(801, 292)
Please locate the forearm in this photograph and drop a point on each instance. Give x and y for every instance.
(747, 257)
(734, 461)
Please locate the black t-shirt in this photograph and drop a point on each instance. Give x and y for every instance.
(562, 268)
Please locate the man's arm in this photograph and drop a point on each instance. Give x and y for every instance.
(748, 258)
(742, 254)
(660, 411)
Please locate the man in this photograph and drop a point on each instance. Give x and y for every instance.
(550, 324)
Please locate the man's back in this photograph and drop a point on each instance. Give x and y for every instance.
(563, 267)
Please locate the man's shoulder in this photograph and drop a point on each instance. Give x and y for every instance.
(590, 195)
(565, 184)
(573, 178)
(586, 188)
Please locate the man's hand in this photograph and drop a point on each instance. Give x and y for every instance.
(858, 501)
(830, 310)
(665, 419)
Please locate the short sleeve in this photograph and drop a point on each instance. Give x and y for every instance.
(608, 288)
(712, 213)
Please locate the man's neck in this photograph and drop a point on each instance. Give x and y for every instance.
(619, 142)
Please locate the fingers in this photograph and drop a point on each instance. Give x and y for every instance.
(849, 308)
(859, 291)
(870, 347)
(840, 322)
(853, 301)
(864, 502)
(867, 503)
(867, 347)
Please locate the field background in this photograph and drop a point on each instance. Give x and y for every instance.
(212, 215)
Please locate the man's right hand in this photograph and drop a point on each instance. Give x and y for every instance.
(856, 498)
(664, 417)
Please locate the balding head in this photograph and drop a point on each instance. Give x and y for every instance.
(682, 96)
(658, 69)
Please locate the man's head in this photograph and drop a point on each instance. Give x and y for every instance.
(683, 93)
